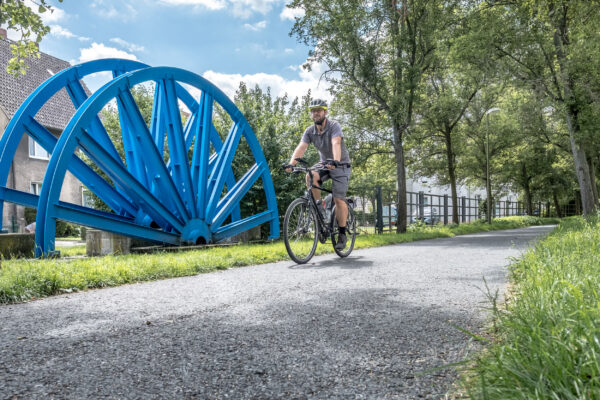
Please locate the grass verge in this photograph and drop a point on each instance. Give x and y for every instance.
(22, 280)
(546, 343)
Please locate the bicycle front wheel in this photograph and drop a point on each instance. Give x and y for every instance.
(350, 232)
(300, 232)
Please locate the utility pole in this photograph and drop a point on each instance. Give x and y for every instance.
(488, 187)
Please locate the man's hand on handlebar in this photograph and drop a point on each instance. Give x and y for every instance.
(330, 164)
(288, 167)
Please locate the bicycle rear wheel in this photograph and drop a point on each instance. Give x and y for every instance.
(300, 232)
(350, 232)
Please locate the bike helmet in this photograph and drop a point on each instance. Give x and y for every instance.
(317, 103)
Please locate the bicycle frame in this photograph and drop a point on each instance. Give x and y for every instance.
(325, 227)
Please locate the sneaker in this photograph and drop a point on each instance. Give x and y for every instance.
(341, 242)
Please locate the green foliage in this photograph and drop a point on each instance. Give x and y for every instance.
(278, 124)
(377, 53)
(17, 15)
(546, 337)
(30, 214)
(21, 280)
(64, 229)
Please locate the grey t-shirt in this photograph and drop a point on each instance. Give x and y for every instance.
(322, 141)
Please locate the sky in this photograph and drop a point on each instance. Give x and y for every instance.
(225, 41)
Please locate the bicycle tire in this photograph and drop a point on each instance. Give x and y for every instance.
(350, 232)
(305, 232)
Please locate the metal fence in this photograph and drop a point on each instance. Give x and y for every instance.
(437, 209)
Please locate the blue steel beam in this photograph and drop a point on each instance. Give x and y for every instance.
(133, 158)
(243, 225)
(217, 178)
(177, 150)
(128, 183)
(117, 202)
(29, 108)
(235, 194)
(19, 197)
(78, 96)
(154, 162)
(111, 223)
(201, 152)
(157, 123)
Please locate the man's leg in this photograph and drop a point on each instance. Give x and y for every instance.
(341, 211)
(316, 178)
(340, 187)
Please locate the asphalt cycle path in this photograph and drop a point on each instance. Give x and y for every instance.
(365, 327)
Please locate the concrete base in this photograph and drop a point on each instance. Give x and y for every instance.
(101, 243)
(14, 245)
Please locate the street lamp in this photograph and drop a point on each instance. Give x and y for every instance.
(487, 165)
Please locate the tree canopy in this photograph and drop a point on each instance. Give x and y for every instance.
(17, 15)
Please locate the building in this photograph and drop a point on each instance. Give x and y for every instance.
(31, 160)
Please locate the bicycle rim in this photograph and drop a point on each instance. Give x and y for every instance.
(300, 232)
(350, 232)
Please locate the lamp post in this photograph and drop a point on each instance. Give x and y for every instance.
(487, 165)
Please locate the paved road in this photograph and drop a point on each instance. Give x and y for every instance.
(360, 328)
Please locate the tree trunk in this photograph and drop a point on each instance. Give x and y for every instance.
(527, 190)
(582, 171)
(561, 41)
(401, 177)
(559, 213)
(452, 176)
(592, 169)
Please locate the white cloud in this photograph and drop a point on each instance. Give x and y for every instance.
(245, 8)
(291, 13)
(127, 45)
(257, 26)
(239, 8)
(307, 80)
(99, 50)
(59, 31)
(209, 4)
(288, 51)
(123, 11)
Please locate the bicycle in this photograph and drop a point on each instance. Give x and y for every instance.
(305, 222)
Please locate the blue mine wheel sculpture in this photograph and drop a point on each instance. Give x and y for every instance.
(183, 193)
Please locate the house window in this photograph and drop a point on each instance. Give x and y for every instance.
(35, 188)
(37, 151)
(86, 198)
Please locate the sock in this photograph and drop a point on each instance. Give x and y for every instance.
(342, 230)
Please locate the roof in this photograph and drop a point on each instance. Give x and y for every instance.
(57, 112)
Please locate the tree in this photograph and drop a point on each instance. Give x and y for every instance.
(380, 50)
(488, 131)
(553, 45)
(447, 95)
(18, 16)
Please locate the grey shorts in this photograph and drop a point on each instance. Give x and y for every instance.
(340, 178)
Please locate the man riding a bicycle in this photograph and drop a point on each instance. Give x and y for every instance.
(326, 136)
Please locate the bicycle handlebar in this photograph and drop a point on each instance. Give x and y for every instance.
(317, 167)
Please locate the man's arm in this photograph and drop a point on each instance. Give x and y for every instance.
(336, 149)
(299, 152)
